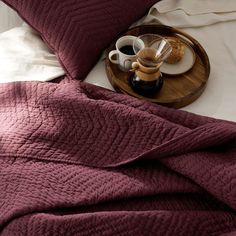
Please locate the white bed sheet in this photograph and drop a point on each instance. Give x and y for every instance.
(219, 41)
(25, 57)
(8, 18)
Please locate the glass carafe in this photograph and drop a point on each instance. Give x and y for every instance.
(147, 78)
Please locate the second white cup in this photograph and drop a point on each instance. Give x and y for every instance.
(124, 54)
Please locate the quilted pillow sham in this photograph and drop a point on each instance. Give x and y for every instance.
(78, 30)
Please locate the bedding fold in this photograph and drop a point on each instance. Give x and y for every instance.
(83, 160)
(25, 57)
(185, 14)
(197, 7)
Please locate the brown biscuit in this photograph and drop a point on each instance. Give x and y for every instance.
(177, 50)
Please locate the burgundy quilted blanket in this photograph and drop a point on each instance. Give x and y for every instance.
(79, 160)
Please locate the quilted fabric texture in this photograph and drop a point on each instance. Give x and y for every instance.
(79, 30)
(79, 160)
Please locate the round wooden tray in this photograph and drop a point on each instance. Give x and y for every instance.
(177, 90)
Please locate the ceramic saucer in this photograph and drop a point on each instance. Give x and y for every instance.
(185, 64)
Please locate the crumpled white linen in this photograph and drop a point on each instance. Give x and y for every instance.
(196, 7)
(25, 57)
(180, 19)
(194, 13)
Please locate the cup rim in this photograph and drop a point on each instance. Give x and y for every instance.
(157, 36)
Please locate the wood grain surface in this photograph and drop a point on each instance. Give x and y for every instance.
(177, 90)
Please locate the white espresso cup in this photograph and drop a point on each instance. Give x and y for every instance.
(124, 54)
